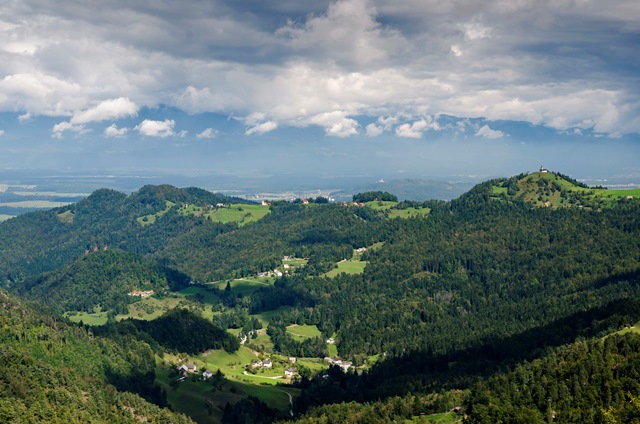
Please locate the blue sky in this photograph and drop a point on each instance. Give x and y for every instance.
(406, 88)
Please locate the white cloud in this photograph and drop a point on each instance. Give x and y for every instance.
(152, 128)
(61, 127)
(475, 31)
(336, 124)
(495, 59)
(417, 128)
(113, 131)
(111, 109)
(262, 128)
(1, 133)
(347, 33)
(487, 132)
(24, 117)
(383, 124)
(207, 133)
(373, 130)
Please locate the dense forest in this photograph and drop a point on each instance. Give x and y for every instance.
(99, 279)
(56, 373)
(466, 305)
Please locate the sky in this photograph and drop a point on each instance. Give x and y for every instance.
(367, 87)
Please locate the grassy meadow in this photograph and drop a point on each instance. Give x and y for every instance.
(244, 286)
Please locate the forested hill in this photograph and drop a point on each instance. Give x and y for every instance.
(104, 278)
(45, 240)
(442, 294)
(55, 373)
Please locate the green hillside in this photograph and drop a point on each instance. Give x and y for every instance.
(451, 294)
(554, 190)
(101, 279)
(55, 373)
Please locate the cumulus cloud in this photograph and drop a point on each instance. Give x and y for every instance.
(207, 133)
(336, 124)
(60, 128)
(348, 33)
(373, 130)
(151, 128)
(299, 61)
(111, 109)
(262, 128)
(417, 128)
(113, 131)
(382, 124)
(487, 132)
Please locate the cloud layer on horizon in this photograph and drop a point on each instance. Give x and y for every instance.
(564, 65)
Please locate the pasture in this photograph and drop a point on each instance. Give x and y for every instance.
(151, 219)
(240, 213)
(348, 267)
(244, 286)
(265, 317)
(97, 318)
(302, 332)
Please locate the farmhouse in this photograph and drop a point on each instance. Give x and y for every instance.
(288, 373)
(345, 366)
(207, 374)
(333, 361)
(256, 364)
(292, 359)
(330, 341)
(185, 368)
(267, 363)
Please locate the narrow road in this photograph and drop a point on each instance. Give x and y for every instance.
(290, 401)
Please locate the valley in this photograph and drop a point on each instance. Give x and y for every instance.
(310, 310)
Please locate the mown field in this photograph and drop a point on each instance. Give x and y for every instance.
(348, 267)
(244, 286)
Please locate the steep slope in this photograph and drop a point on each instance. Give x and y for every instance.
(102, 278)
(55, 373)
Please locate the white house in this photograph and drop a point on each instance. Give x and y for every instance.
(330, 341)
(288, 373)
(185, 368)
(267, 363)
(345, 366)
(207, 374)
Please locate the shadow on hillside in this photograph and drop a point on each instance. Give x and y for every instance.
(422, 371)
